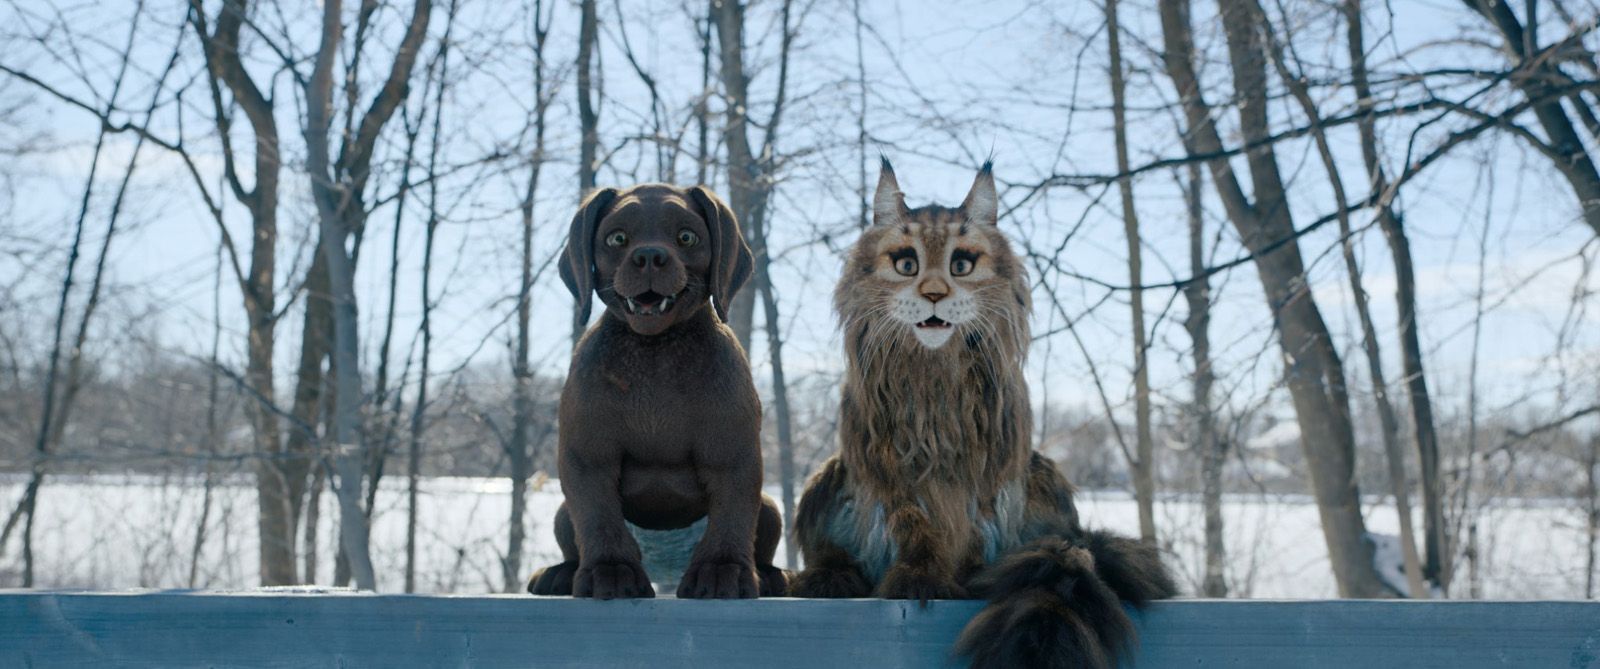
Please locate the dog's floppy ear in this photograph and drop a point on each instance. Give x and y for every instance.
(732, 262)
(577, 263)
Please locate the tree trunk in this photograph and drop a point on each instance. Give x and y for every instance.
(213, 427)
(1143, 465)
(1313, 372)
(51, 425)
(1436, 567)
(337, 190)
(1213, 451)
(521, 459)
(419, 411)
(780, 403)
(746, 182)
(276, 501)
(281, 476)
(30, 496)
(1390, 425)
(385, 424)
(861, 122)
(702, 109)
(588, 119)
(313, 519)
(1591, 489)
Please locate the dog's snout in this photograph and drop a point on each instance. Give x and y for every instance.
(646, 257)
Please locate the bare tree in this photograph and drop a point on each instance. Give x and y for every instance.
(419, 408)
(1314, 374)
(588, 118)
(1213, 450)
(750, 179)
(1296, 82)
(520, 456)
(56, 410)
(861, 120)
(1143, 463)
(278, 489)
(1539, 79)
(337, 189)
(750, 185)
(1437, 565)
(213, 427)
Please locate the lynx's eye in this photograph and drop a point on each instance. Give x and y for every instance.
(963, 262)
(904, 261)
(616, 239)
(688, 238)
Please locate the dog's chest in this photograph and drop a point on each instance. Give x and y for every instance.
(657, 400)
(659, 396)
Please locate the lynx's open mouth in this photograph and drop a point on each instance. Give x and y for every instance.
(651, 303)
(934, 322)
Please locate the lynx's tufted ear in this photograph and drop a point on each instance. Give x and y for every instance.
(981, 204)
(888, 203)
(731, 260)
(577, 264)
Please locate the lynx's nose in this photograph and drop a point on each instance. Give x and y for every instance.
(934, 290)
(649, 256)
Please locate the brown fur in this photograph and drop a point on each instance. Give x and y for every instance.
(935, 492)
(660, 421)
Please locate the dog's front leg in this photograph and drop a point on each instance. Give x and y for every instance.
(609, 565)
(723, 564)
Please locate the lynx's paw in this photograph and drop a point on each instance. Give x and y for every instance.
(830, 583)
(774, 581)
(905, 583)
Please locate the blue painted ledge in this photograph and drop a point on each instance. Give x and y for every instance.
(297, 629)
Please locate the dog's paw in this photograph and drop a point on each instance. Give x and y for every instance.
(830, 583)
(718, 579)
(774, 581)
(614, 579)
(554, 580)
(903, 583)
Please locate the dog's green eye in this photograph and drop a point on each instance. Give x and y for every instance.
(617, 238)
(688, 238)
(906, 266)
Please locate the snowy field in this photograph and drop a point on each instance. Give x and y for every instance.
(138, 531)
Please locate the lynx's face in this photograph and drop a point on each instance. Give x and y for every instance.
(930, 273)
(933, 273)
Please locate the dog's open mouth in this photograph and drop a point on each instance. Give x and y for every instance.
(651, 303)
(935, 323)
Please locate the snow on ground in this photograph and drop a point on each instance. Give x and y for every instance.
(138, 531)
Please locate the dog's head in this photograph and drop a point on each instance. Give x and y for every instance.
(655, 254)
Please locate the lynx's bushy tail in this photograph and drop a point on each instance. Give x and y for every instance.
(1058, 603)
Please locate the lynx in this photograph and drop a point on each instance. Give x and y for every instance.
(935, 492)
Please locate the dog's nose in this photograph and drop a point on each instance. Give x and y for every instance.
(934, 290)
(649, 256)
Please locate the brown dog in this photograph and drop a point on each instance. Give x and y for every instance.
(660, 422)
